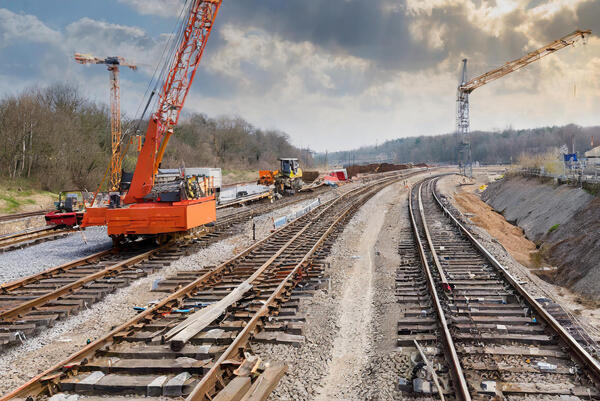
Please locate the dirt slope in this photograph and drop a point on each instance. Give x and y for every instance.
(563, 220)
(511, 237)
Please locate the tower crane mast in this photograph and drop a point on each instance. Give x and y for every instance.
(466, 87)
(113, 64)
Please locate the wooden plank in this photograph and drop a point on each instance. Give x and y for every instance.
(266, 383)
(278, 337)
(551, 351)
(504, 367)
(546, 388)
(194, 324)
(234, 390)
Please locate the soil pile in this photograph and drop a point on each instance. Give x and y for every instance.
(564, 221)
(510, 236)
(377, 168)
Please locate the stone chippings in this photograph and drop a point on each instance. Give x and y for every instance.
(34, 259)
(308, 364)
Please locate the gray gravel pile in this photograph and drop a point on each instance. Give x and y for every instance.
(36, 258)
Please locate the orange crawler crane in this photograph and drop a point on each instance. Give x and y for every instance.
(163, 209)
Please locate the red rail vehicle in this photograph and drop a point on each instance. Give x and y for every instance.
(69, 211)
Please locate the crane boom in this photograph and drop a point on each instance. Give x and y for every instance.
(167, 207)
(182, 69)
(521, 62)
(466, 87)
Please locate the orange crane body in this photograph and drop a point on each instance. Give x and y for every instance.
(113, 64)
(143, 213)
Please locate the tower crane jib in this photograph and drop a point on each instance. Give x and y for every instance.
(466, 87)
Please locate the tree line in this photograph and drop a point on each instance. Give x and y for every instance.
(55, 138)
(487, 147)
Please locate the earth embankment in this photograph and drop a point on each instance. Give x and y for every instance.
(563, 221)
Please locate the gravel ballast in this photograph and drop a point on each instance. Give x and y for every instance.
(70, 335)
(34, 259)
(350, 330)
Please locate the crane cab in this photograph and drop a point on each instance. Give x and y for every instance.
(290, 168)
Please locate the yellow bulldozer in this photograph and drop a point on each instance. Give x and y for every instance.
(287, 180)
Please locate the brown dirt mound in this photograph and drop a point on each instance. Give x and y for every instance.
(511, 237)
(375, 168)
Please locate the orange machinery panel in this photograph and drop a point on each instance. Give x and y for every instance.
(153, 217)
(266, 177)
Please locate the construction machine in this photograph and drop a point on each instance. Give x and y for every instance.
(165, 209)
(465, 88)
(69, 210)
(287, 180)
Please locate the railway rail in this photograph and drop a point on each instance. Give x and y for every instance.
(25, 238)
(486, 335)
(34, 303)
(194, 342)
(18, 216)
(30, 305)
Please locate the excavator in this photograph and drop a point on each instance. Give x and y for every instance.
(287, 180)
(153, 207)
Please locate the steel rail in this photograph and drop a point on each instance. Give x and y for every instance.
(25, 232)
(11, 217)
(67, 289)
(12, 285)
(250, 198)
(12, 240)
(438, 266)
(458, 378)
(581, 354)
(53, 373)
(210, 379)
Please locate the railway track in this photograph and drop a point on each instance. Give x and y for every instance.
(195, 342)
(17, 216)
(32, 304)
(486, 337)
(25, 238)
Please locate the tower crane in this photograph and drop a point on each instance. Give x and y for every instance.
(158, 209)
(113, 64)
(466, 87)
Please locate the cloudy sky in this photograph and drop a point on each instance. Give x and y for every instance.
(334, 74)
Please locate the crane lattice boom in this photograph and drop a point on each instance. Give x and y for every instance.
(466, 87)
(519, 63)
(182, 70)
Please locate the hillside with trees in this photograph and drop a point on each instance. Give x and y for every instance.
(55, 138)
(487, 147)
